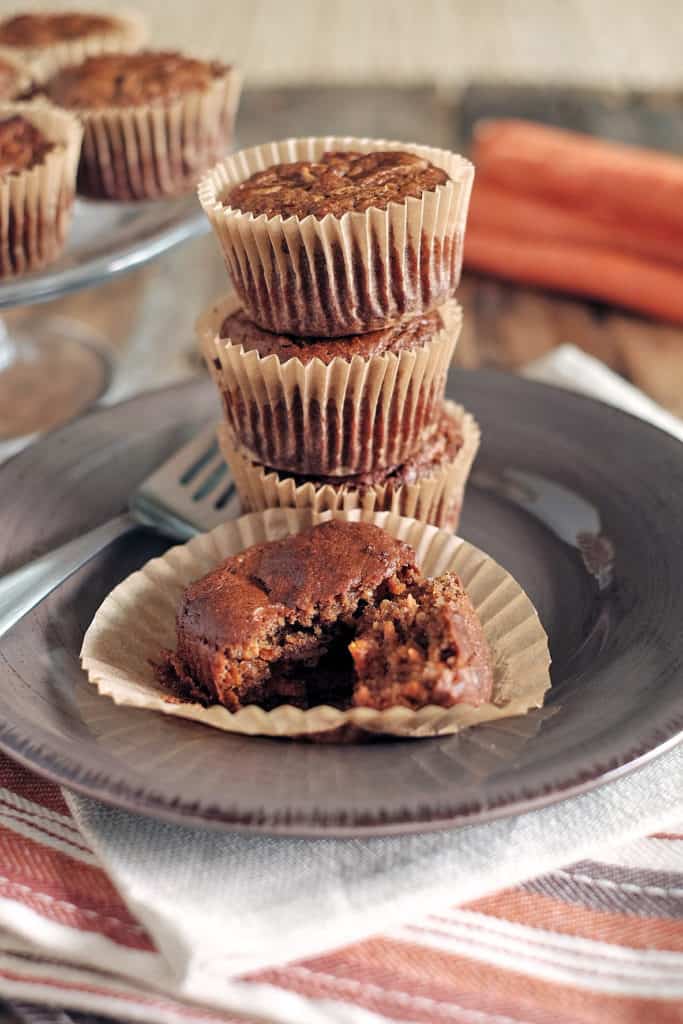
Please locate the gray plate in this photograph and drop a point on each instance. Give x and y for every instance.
(580, 502)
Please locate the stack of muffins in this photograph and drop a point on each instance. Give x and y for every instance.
(332, 357)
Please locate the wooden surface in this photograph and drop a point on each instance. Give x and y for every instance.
(148, 317)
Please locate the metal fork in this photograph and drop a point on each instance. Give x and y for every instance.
(191, 492)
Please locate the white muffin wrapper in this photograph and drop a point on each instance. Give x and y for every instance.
(329, 419)
(36, 204)
(137, 620)
(157, 149)
(340, 275)
(435, 498)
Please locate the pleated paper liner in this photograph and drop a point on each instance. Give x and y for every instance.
(21, 79)
(434, 498)
(126, 33)
(36, 204)
(338, 276)
(137, 620)
(334, 419)
(157, 149)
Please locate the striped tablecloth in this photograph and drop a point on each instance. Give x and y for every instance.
(594, 941)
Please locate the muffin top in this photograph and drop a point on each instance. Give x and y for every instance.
(317, 575)
(22, 145)
(27, 30)
(337, 183)
(9, 77)
(408, 333)
(440, 445)
(131, 79)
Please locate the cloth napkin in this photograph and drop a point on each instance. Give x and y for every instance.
(565, 913)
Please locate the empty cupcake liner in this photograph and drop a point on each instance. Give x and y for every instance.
(23, 78)
(127, 33)
(137, 620)
(157, 149)
(334, 419)
(435, 498)
(338, 276)
(35, 205)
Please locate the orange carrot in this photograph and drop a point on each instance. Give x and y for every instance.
(494, 208)
(582, 269)
(607, 181)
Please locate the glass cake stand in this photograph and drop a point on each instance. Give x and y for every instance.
(56, 367)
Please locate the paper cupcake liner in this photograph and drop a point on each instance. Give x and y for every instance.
(435, 498)
(127, 35)
(24, 79)
(35, 205)
(334, 419)
(137, 620)
(345, 275)
(156, 149)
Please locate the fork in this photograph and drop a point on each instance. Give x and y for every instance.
(190, 493)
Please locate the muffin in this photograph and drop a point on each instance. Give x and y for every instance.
(429, 486)
(153, 120)
(49, 41)
(15, 79)
(330, 406)
(309, 619)
(337, 236)
(39, 149)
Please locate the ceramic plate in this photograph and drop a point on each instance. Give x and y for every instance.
(580, 502)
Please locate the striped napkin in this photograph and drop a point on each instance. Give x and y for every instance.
(569, 913)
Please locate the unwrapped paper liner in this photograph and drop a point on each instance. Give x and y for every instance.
(137, 620)
(126, 34)
(434, 498)
(157, 149)
(36, 204)
(329, 419)
(340, 275)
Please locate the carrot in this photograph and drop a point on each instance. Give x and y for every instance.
(607, 181)
(581, 269)
(494, 208)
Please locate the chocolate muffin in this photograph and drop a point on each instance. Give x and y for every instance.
(336, 184)
(39, 148)
(249, 631)
(330, 407)
(153, 120)
(422, 646)
(317, 618)
(334, 237)
(429, 486)
(22, 145)
(52, 40)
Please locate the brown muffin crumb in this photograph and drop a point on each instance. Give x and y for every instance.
(22, 145)
(336, 184)
(424, 646)
(131, 79)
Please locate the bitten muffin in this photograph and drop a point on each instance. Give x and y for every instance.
(51, 40)
(39, 149)
(326, 406)
(312, 618)
(429, 486)
(153, 120)
(332, 237)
